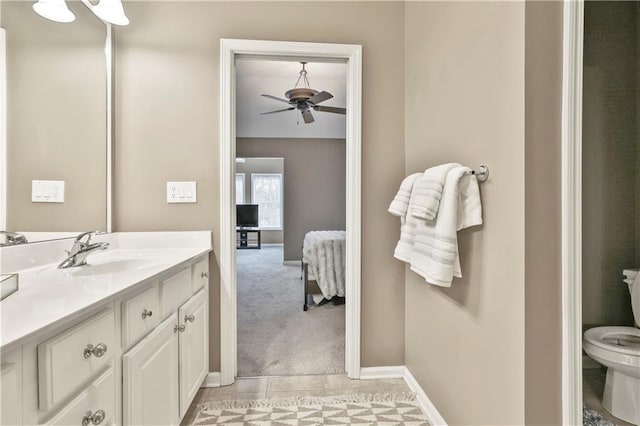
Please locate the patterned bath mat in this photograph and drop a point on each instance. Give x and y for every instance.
(362, 409)
(593, 418)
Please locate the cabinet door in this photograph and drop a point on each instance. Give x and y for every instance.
(11, 394)
(194, 348)
(150, 378)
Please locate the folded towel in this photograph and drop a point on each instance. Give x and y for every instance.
(428, 191)
(629, 280)
(400, 204)
(431, 247)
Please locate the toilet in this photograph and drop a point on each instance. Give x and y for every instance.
(618, 348)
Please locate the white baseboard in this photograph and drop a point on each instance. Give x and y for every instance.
(211, 380)
(292, 262)
(425, 403)
(393, 372)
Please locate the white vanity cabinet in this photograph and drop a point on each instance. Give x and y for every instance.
(163, 372)
(194, 347)
(137, 358)
(11, 389)
(150, 388)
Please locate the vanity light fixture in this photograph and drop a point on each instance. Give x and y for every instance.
(110, 11)
(54, 10)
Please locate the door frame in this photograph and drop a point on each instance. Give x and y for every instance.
(573, 41)
(352, 55)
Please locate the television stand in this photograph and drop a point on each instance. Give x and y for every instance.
(248, 238)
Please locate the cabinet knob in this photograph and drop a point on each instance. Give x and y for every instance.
(179, 328)
(204, 275)
(97, 350)
(93, 418)
(146, 313)
(189, 318)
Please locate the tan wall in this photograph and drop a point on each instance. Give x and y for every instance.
(261, 165)
(609, 160)
(56, 118)
(543, 267)
(465, 103)
(314, 185)
(167, 85)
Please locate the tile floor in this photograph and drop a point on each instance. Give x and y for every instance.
(592, 388)
(289, 386)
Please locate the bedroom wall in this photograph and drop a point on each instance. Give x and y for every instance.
(314, 184)
(465, 102)
(261, 165)
(166, 128)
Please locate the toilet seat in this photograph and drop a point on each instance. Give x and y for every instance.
(623, 340)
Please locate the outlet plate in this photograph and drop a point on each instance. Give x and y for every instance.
(181, 192)
(47, 191)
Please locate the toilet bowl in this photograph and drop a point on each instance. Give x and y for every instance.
(618, 349)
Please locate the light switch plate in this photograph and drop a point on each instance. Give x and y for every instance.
(181, 192)
(47, 191)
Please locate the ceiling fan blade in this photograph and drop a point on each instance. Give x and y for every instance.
(278, 110)
(307, 116)
(320, 97)
(276, 98)
(335, 110)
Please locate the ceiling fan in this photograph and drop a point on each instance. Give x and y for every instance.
(305, 99)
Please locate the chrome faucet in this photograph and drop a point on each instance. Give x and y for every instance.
(12, 238)
(82, 248)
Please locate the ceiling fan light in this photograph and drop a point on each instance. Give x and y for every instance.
(54, 10)
(111, 11)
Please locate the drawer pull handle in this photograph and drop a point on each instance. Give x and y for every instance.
(97, 350)
(179, 328)
(204, 275)
(93, 418)
(189, 318)
(146, 313)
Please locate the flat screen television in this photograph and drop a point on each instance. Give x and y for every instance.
(247, 215)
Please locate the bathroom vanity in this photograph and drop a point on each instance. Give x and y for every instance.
(121, 340)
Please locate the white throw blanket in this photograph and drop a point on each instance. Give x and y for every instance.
(431, 246)
(323, 251)
(428, 191)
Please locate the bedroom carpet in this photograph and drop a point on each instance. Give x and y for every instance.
(275, 336)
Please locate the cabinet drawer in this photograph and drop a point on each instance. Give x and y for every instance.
(200, 274)
(140, 314)
(97, 400)
(175, 290)
(74, 357)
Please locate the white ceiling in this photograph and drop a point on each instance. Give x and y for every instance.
(255, 77)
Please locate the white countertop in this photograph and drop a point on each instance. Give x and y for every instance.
(48, 295)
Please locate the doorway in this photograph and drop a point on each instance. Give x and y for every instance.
(352, 55)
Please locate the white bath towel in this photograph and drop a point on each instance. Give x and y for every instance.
(431, 247)
(400, 204)
(428, 191)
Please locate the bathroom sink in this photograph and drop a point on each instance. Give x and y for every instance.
(110, 267)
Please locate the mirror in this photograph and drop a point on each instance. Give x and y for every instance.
(56, 122)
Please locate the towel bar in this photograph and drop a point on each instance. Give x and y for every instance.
(482, 174)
